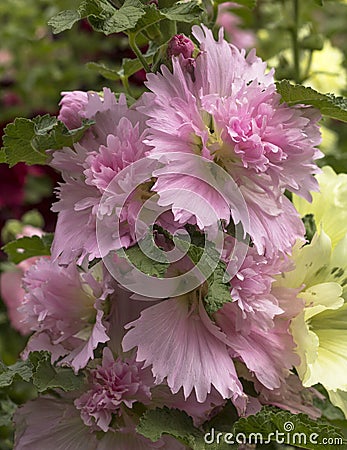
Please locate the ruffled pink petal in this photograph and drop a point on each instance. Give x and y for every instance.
(184, 347)
(72, 107)
(268, 354)
(274, 223)
(113, 384)
(65, 308)
(200, 412)
(75, 233)
(291, 396)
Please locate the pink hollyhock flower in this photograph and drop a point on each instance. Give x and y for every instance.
(123, 309)
(128, 439)
(268, 354)
(113, 384)
(257, 322)
(75, 232)
(11, 289)
(263, 343)
(63, 428)
(13, 294)
(228, 112)
(72, 107)
(251, 292)
(199, 412)
(65, 308)
(241, 38)
(113, 143)
(187, 349)
(291, 396)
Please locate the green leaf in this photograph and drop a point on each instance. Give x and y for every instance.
(218, 290)
(208, 261)
(119, 20)
(20, 370)
(206, 257)
(189, 12)
(27, 140)
(39, 370)
(102, 15)
(45, 376)
(319, 2)
(107, 72)
(128, 68)
(183, 12)
(328, 104)
(131, 66)
(155, 423)
(49, 136)
(152, 16)
(64, 20)
(2, 156)
(26, 247)
(7, 409)
(18, 143)
(274, 424)
(156, 265)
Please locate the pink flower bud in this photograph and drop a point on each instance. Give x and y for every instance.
(72, 108)
(180, 45)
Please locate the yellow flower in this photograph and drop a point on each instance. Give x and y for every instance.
(320, 331)
(329, 206)
(326, 69)
(339, 398)
(320, 275)
(329, 140)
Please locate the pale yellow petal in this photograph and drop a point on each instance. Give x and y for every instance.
(339, 399)
(306, 344)
(321, 297)
(329, 140)
(330, 320)
(329, 205)
(327, 77)
(313, 260)
(311, 263)
(330, 367)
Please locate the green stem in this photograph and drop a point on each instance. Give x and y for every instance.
(215, 12)
(137, 51)
(296, 41)
(308, 67)
(126, 86)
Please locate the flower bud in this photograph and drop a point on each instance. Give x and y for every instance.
(180, 45)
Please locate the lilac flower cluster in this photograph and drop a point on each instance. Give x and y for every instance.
(220, 108)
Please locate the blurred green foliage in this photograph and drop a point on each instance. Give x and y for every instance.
(35, 65)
